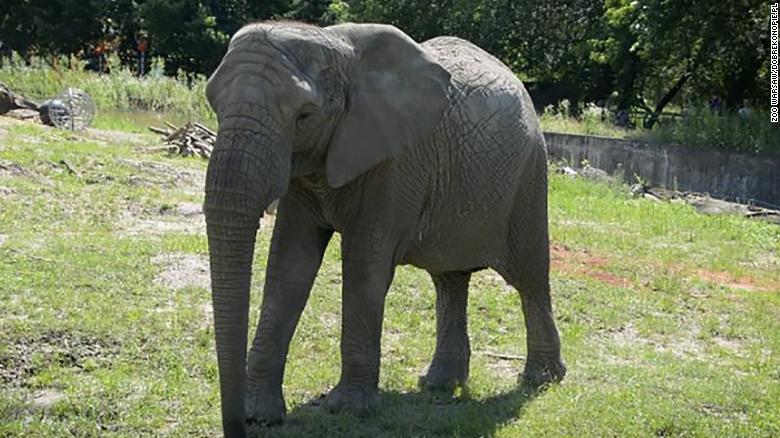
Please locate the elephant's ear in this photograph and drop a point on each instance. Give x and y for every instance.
(396, 96)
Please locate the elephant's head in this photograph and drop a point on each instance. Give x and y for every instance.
(293, 100)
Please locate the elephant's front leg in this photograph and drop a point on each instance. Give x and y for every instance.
(367, 275)
(296, 252)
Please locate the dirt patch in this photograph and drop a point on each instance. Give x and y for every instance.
(182, 270)
(156, 174)
(47, 398)
(118, 137)
(156, 226)
(15, 170)
(683, 345)
(567, 261)
(185, 218)
(9, 168)
(23, 358)
(3, 238)
(728, 280)
(731, 345)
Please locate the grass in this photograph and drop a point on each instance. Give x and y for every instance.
(182, 97)
(670, 320)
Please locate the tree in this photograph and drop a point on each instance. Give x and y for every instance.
(49, 27)
(658, 47)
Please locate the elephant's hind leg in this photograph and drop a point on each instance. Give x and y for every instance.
(527, 269)
(450, 365)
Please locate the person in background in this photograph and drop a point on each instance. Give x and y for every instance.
(99, 54)
(745, 111)
(142, 48)
(3, 54)
(715, 104)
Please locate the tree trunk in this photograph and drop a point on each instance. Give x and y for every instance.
(652, 118)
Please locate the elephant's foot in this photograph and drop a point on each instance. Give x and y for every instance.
(265, 405)
(444, 375)
(358, 400)
(543, 369)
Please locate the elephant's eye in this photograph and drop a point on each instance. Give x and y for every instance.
(302, 118)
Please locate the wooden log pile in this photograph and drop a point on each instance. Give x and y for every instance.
(192, 139)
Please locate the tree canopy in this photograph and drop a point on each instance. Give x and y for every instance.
(628, 53)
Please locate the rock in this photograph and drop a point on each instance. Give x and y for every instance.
(711, 206)
(593, 173)
(12, 101)
(190, 209)
(568, 171)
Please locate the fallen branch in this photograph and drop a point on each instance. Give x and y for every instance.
(503, 356)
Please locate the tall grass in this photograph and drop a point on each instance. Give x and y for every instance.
(592, 120)
(183, 96)
(698, 127)
(701, 127)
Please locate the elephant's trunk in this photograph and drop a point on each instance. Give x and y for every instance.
(247, 171)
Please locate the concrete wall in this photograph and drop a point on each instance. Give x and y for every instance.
(728, 175)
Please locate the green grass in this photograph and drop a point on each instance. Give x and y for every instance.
(670, 320)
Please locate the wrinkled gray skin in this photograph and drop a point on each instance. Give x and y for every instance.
(425, 154)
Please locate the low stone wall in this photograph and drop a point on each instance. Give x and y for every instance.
(722, 174)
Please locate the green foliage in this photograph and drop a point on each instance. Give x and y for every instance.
(196, 43)
(652, 44)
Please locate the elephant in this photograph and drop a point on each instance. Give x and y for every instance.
(428, 154)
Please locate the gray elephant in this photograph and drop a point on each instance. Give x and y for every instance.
(424, 154)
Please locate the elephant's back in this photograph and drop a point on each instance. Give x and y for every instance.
(465, 60)
(485, 91)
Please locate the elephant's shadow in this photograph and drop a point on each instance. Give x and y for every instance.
(409, 414)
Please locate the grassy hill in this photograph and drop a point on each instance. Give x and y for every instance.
(670, 320)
